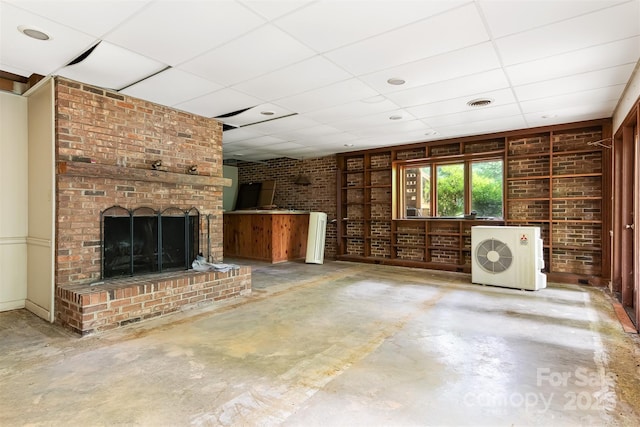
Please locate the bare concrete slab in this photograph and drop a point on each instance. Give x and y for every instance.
(336, 344)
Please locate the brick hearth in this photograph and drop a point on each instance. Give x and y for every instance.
(88, 309)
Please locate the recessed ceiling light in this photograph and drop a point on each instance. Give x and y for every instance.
(431, 133)
(267, 113)
(396, 81)
(395, 117)
(348, 145)
(34, 33)
(479, 102)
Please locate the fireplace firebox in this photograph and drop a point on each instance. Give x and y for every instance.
(143, 240)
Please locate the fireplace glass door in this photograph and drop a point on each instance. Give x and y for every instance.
(143, 241)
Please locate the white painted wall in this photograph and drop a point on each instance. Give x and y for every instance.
(13, 201)
(628, 100)
(41, 212)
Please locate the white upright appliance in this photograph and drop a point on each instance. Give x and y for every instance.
(510, 257)
(316, 237)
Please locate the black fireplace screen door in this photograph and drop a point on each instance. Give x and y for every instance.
(143, 240)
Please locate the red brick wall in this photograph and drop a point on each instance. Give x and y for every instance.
(95, 125)
(320, 196)
(109, 131)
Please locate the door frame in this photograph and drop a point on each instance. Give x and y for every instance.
(625, 180)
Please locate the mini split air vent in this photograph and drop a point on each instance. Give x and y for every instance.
(480, 102)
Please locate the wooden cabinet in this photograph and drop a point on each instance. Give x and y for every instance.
(273, 236)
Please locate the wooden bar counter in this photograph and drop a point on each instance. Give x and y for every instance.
(266, 235)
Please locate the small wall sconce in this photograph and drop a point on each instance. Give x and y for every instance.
(193, 170)
(302, 180)
(157, 166)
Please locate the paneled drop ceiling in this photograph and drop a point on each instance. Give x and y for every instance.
(301, 79)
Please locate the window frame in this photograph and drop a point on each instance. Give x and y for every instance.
(399, 193)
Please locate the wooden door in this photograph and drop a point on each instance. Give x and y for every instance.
(635, 231)
(626, 184)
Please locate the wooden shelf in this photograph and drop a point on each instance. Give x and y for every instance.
(578, 248)
(570, 152)
(578, 221)
(97, 170)
(528, 220)
(526, 156)
(578, 175)
(526, 178)
(528, 199)
(399, 245)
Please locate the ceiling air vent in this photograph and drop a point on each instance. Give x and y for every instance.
(480, 102)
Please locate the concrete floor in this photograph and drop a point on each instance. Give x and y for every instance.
(336, 344)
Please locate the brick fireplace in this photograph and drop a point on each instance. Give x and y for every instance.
(106, 144)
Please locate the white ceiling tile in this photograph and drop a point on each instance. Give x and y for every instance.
(175, 31)
(308, 132)
(254, 115)
(263, 54)
(171, 87)
(220, 102)
(301, 77)
(14, 70)
(351, 22)
(487, 126)
(393, 129)
(374, 120)
(111, 67)
(467, 86)
(351, 110)
(579, 82)
(406, 44)
(547, 106)
(254, 156)
(527, 14)
(620, 52)
(258, 143)
(273, 9)
(459, 105)
(577, 112)
(452, 65)
(43, 57)
(328, 141)
(285, 147)
(328, 96)
(235, 135)
(472, 115)
(259, 52)
(284, 124)
(596, 28)
(91, 17)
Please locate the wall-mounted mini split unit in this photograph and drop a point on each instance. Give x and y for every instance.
(510, 257)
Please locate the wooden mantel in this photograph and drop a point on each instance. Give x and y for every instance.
(133, 174)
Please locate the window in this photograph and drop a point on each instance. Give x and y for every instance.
(486, 188)
(451, 189)
(417, 191)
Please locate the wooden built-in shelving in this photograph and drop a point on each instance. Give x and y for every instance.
(560, 186)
